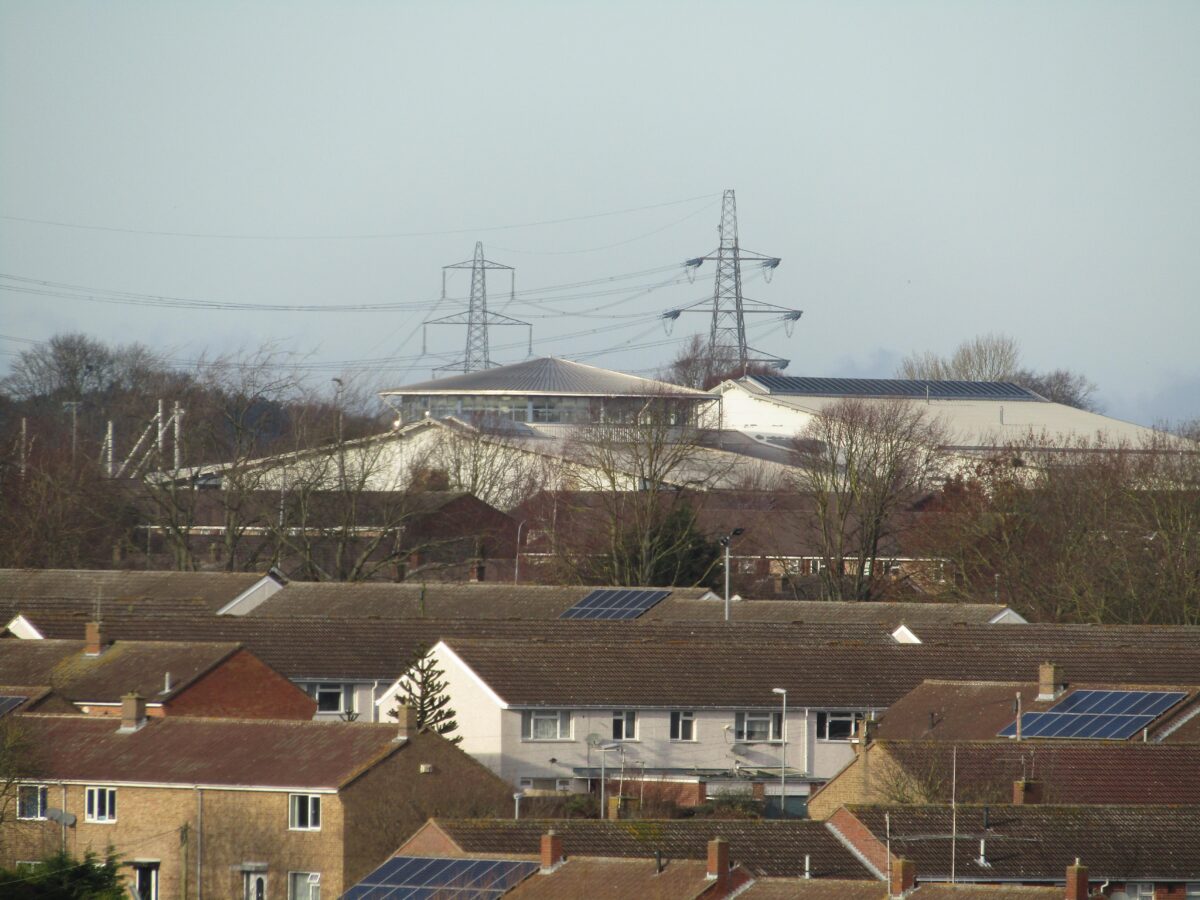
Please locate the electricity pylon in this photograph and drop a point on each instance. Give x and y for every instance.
(477, 318)
(729, 306)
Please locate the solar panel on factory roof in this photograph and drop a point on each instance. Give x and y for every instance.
(614, 603)
(8, 704)
(895, 387)
(1098, 715)
(420, 877)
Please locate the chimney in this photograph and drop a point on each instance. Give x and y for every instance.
(133, 712)
(552, 852)
(718, 862)
(1050, 681)
(93, 639)
(1026, 793)
(904, 876)
(1077, 881)
(407, 716)
(479, 572)
(866, 734)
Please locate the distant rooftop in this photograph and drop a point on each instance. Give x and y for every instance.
(548, 376)
(894, 387)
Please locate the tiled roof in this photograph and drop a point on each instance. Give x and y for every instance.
(123, 667)
(734, 670)
(26, 590)
(1037, 843)
(1080, 772)
(814, 889)
(218, 752)
(814, 612)
(618, 879)
(548, 375)
(985, 892)
(435, 600)
(977, 710)
(762, 847)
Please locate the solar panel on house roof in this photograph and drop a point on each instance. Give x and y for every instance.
(421, 877)
(1097, 715)
(8, 704)
(619, 603)
(895, 387)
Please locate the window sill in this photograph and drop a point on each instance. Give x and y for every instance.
(547, 740)
(99, 821)
(308, 830)
(32, 819)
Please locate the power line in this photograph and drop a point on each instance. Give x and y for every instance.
(350, 237)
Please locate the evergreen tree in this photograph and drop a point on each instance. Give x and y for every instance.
(424, 689)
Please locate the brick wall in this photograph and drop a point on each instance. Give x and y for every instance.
(393, 800)
(243, 687)
(852, 830)
(865, 780)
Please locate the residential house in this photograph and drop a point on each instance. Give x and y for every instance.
(952, 710)
(1129, 851)
(1008, 772)
(97, 592)
(234, 808)
(177, 678)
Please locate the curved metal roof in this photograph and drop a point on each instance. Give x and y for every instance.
(548, 376)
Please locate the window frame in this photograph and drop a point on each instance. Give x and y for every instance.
(43, 801)
(293, 875)
(626, 721)
(564, 724)
(741, 731)
(91, 807)
(345, 697)
(825, 716)
(151, 869)
(679, 718)
(308, 803)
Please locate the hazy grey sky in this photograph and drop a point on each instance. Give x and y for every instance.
(927, 171)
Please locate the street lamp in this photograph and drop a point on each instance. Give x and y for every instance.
(604, 748)
(725, 542)
(517, 554)
(782, 692)
(517, 805)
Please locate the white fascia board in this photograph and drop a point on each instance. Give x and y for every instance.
(22, 628)
(182, 786)
(1008, 616)
(252, 597)
(441, 647)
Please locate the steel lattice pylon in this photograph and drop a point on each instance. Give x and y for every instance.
(727, 333)
(477, 318)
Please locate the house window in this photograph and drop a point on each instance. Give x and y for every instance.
(1193, 889)
(837, 726)
(546, 725)
(101, 804)
(304, 812)
(624, 725)
(304, 886)
(757, 726)
(31, 801)
(145, 881)
(683, 725)
(562, 785)
(333, 698)
(1136, 890)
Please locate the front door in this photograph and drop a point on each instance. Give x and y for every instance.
(256, 886)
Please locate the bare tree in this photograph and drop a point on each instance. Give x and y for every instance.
(699, 366)
(861, 462)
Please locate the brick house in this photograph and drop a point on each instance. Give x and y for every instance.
(177, 678)
(235, 808)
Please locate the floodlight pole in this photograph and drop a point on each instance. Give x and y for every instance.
(782, 754)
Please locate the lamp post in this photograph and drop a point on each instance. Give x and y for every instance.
(517, 554)
(782, 753)
(606, 748)
(725, 542)
(517, 805)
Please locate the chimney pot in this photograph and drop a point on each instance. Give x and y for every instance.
(1050, 681)
(904, 876)
(133, 712)
(1077, 882)
(718, 862)
(93, 638)
(552, 851)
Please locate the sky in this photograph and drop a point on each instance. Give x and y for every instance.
(927, 172)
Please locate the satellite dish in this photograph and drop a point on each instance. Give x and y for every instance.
(57, 815)
(594, 740)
